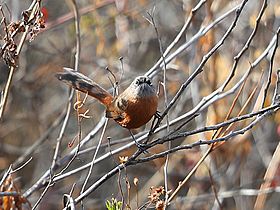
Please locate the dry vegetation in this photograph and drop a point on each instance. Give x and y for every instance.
(215, 144)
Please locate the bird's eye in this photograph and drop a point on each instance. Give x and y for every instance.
(137, 82)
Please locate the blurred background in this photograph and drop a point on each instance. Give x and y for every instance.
(111, 29)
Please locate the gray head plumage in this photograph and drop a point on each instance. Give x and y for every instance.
(143, 86)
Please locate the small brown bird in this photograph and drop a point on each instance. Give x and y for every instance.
(131, 109)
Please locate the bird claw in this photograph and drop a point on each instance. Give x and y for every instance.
(157, 115)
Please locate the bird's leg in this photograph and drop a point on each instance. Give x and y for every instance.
(142, 147)
(157, 116)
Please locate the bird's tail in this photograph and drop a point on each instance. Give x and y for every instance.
(84, 84)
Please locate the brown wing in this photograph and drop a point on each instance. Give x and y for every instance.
(116, 109)
(132, 113)
(84, 84)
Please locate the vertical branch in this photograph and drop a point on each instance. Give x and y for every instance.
(76, 67)
(68, 111)
(270, 68)
(94, 158)
(77, 59)
(35, 6)
(61, 133)
(165, 171)
(78, 35)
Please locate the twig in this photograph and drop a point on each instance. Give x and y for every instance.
(244, 106)
(43, 193)
(217, 132)
(92, 163)
(78, 35)
(271, 61)
(99, 182)
(127, 188)
(6, 174)
(62, 130)
(218, 94)
(22, 166)
(66, 119)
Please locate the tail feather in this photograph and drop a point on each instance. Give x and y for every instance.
(84, 84)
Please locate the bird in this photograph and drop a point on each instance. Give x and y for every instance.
(131, 109)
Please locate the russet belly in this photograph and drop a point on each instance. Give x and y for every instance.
(139, 112)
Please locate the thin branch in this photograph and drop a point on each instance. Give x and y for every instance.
(62, 130)
(92, 163)
(34, 8)
(271, 61)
